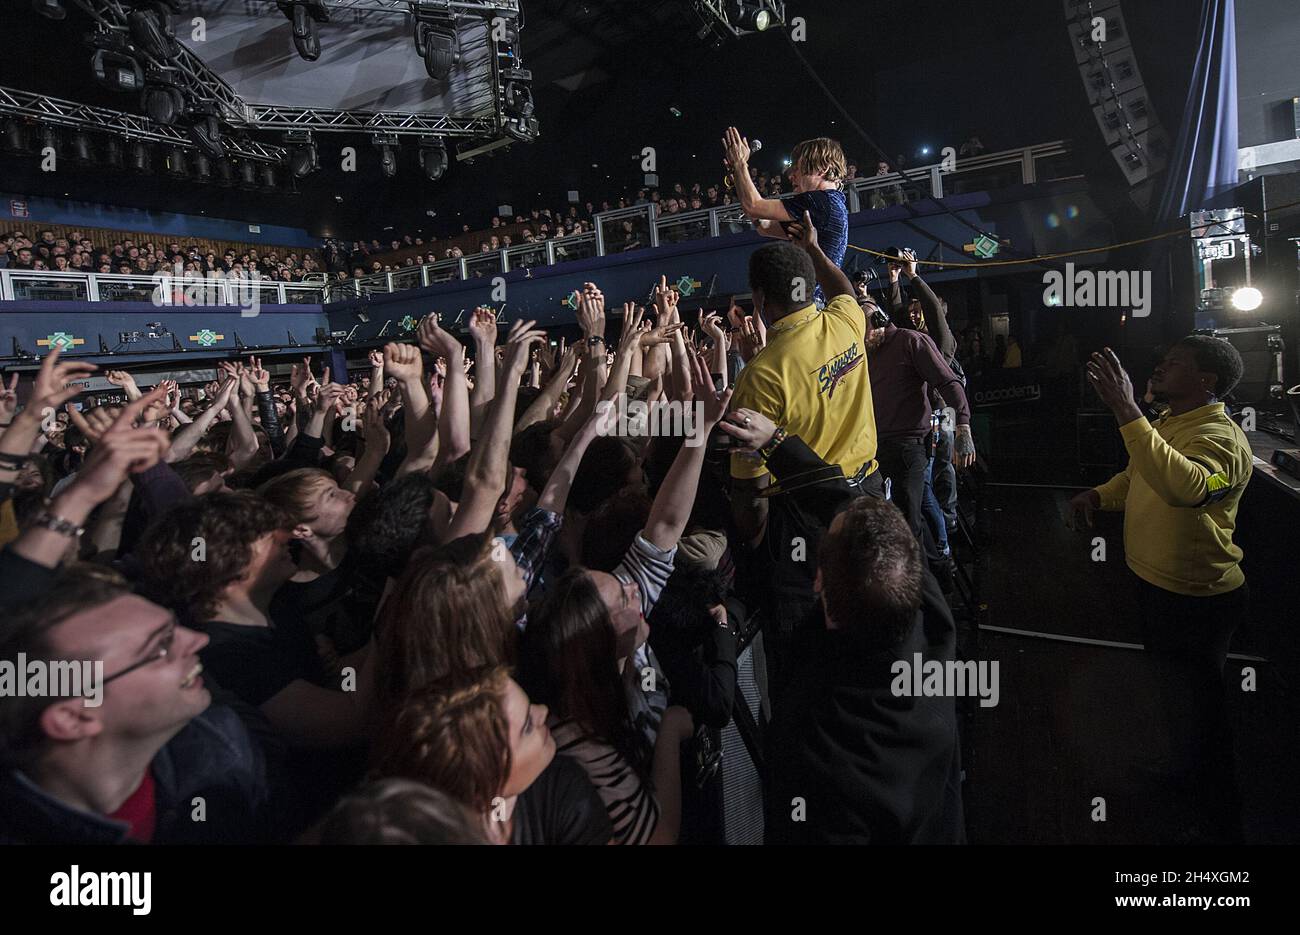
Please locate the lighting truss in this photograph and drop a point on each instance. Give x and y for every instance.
(270, 117)
(50, 110)
(506, 8)
(194, 77)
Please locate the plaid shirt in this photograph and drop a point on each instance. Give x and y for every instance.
(537, 532)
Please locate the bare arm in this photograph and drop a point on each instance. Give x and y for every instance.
(483, 327)
(454, 418)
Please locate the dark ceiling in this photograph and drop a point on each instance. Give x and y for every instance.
(609, 73)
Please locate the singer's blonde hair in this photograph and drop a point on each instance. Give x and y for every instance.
(822, 156)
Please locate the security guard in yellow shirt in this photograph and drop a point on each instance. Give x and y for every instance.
(1179, 494)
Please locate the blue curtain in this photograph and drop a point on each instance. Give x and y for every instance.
(1204, 160)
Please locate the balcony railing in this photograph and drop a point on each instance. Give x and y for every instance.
(51, 285)
(617, 231)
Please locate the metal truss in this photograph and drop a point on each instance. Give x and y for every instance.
(199, 81)
(51, 110)
(506, 8)
(271, 117)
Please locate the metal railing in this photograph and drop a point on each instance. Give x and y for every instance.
(160, 289)
(617, 231)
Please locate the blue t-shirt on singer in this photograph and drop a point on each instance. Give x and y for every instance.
(830, 215)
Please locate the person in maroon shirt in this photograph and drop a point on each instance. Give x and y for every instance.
(904, 366)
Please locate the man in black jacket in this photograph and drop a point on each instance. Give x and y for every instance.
(851, 761)
(139, 755)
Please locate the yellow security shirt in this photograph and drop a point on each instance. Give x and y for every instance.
(811, 380)
(1179, 494)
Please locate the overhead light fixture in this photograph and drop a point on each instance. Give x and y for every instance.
(112, 64)
(205, 129)
(225, 173)
(79, 147)
(247, 174)
(162, 98)
(15, 136)
(304, 159)
(304, 15)
(50, 9)
(177, 164)
(138, 159)
(749, 16)
(387, 145)
(1247, 299)
(518, 92)
(436, 41)
(525, 131)
(433, 157)
(151, 32)
(111, 154)
(269, 181)
(202, 167)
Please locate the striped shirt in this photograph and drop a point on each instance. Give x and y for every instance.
(650, 567)
(633, 811)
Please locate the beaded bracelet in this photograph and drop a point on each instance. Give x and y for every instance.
(773, 443)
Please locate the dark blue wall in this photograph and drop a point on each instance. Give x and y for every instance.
(166, 226)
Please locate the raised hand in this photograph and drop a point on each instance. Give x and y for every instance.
(300, 377)
(519, 342)
(402, 361)
(51, 389)
(665, 302)
(803, 232)
(260, 376)
(122, 449)
(630, 336)
(376, 358)
(483, 326)
(735, 150)
(591, 311)
(437, 341)
(1109, 378)
(714, 404)
(125, 381)
(9, 400)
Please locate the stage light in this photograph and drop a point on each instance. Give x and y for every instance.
(518, 93)
(111, 156)
(1247, 299)
(205, 131)
(49, 138)
(151, 32)
(225, 173)
(202, 167)
(15, 136)
(115, 70)
(433, 157)
(268, 177)
(138, 159)
(50, 9)
(754, 17)
(176, 165)
(304, 159)
(387, 145)
(247, 174)
(526, 131)
(79, 147)
(162, 101)
(304, 15)
(436, 43)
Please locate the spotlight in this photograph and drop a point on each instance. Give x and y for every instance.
(303, 156)
(436, 43)
(225, 173)
(387, 145)
(49, 138)
(111, 155)
(518, 93)
(202, 167)
(268, 177)
(116, 70)
(138, 159)
(751, 16)
(176, 165)
(248, 174)
(50, 9)
(15, 136)
(162, 99)
(526, 131)
(1247, 299)
(433, 157)
(79, 147)
(304, 15)
(151, 32)
(205, 131)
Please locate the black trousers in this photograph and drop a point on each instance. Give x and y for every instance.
(1187, 638)
(903, 461)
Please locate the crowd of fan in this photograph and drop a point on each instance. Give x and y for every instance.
(78, 254)
(456, 599)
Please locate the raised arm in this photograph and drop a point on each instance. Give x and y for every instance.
(183, 441)
(454, 417)
(755, 206)
(483, 328)
(485, 475)
(676, 498)
(829, 276)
